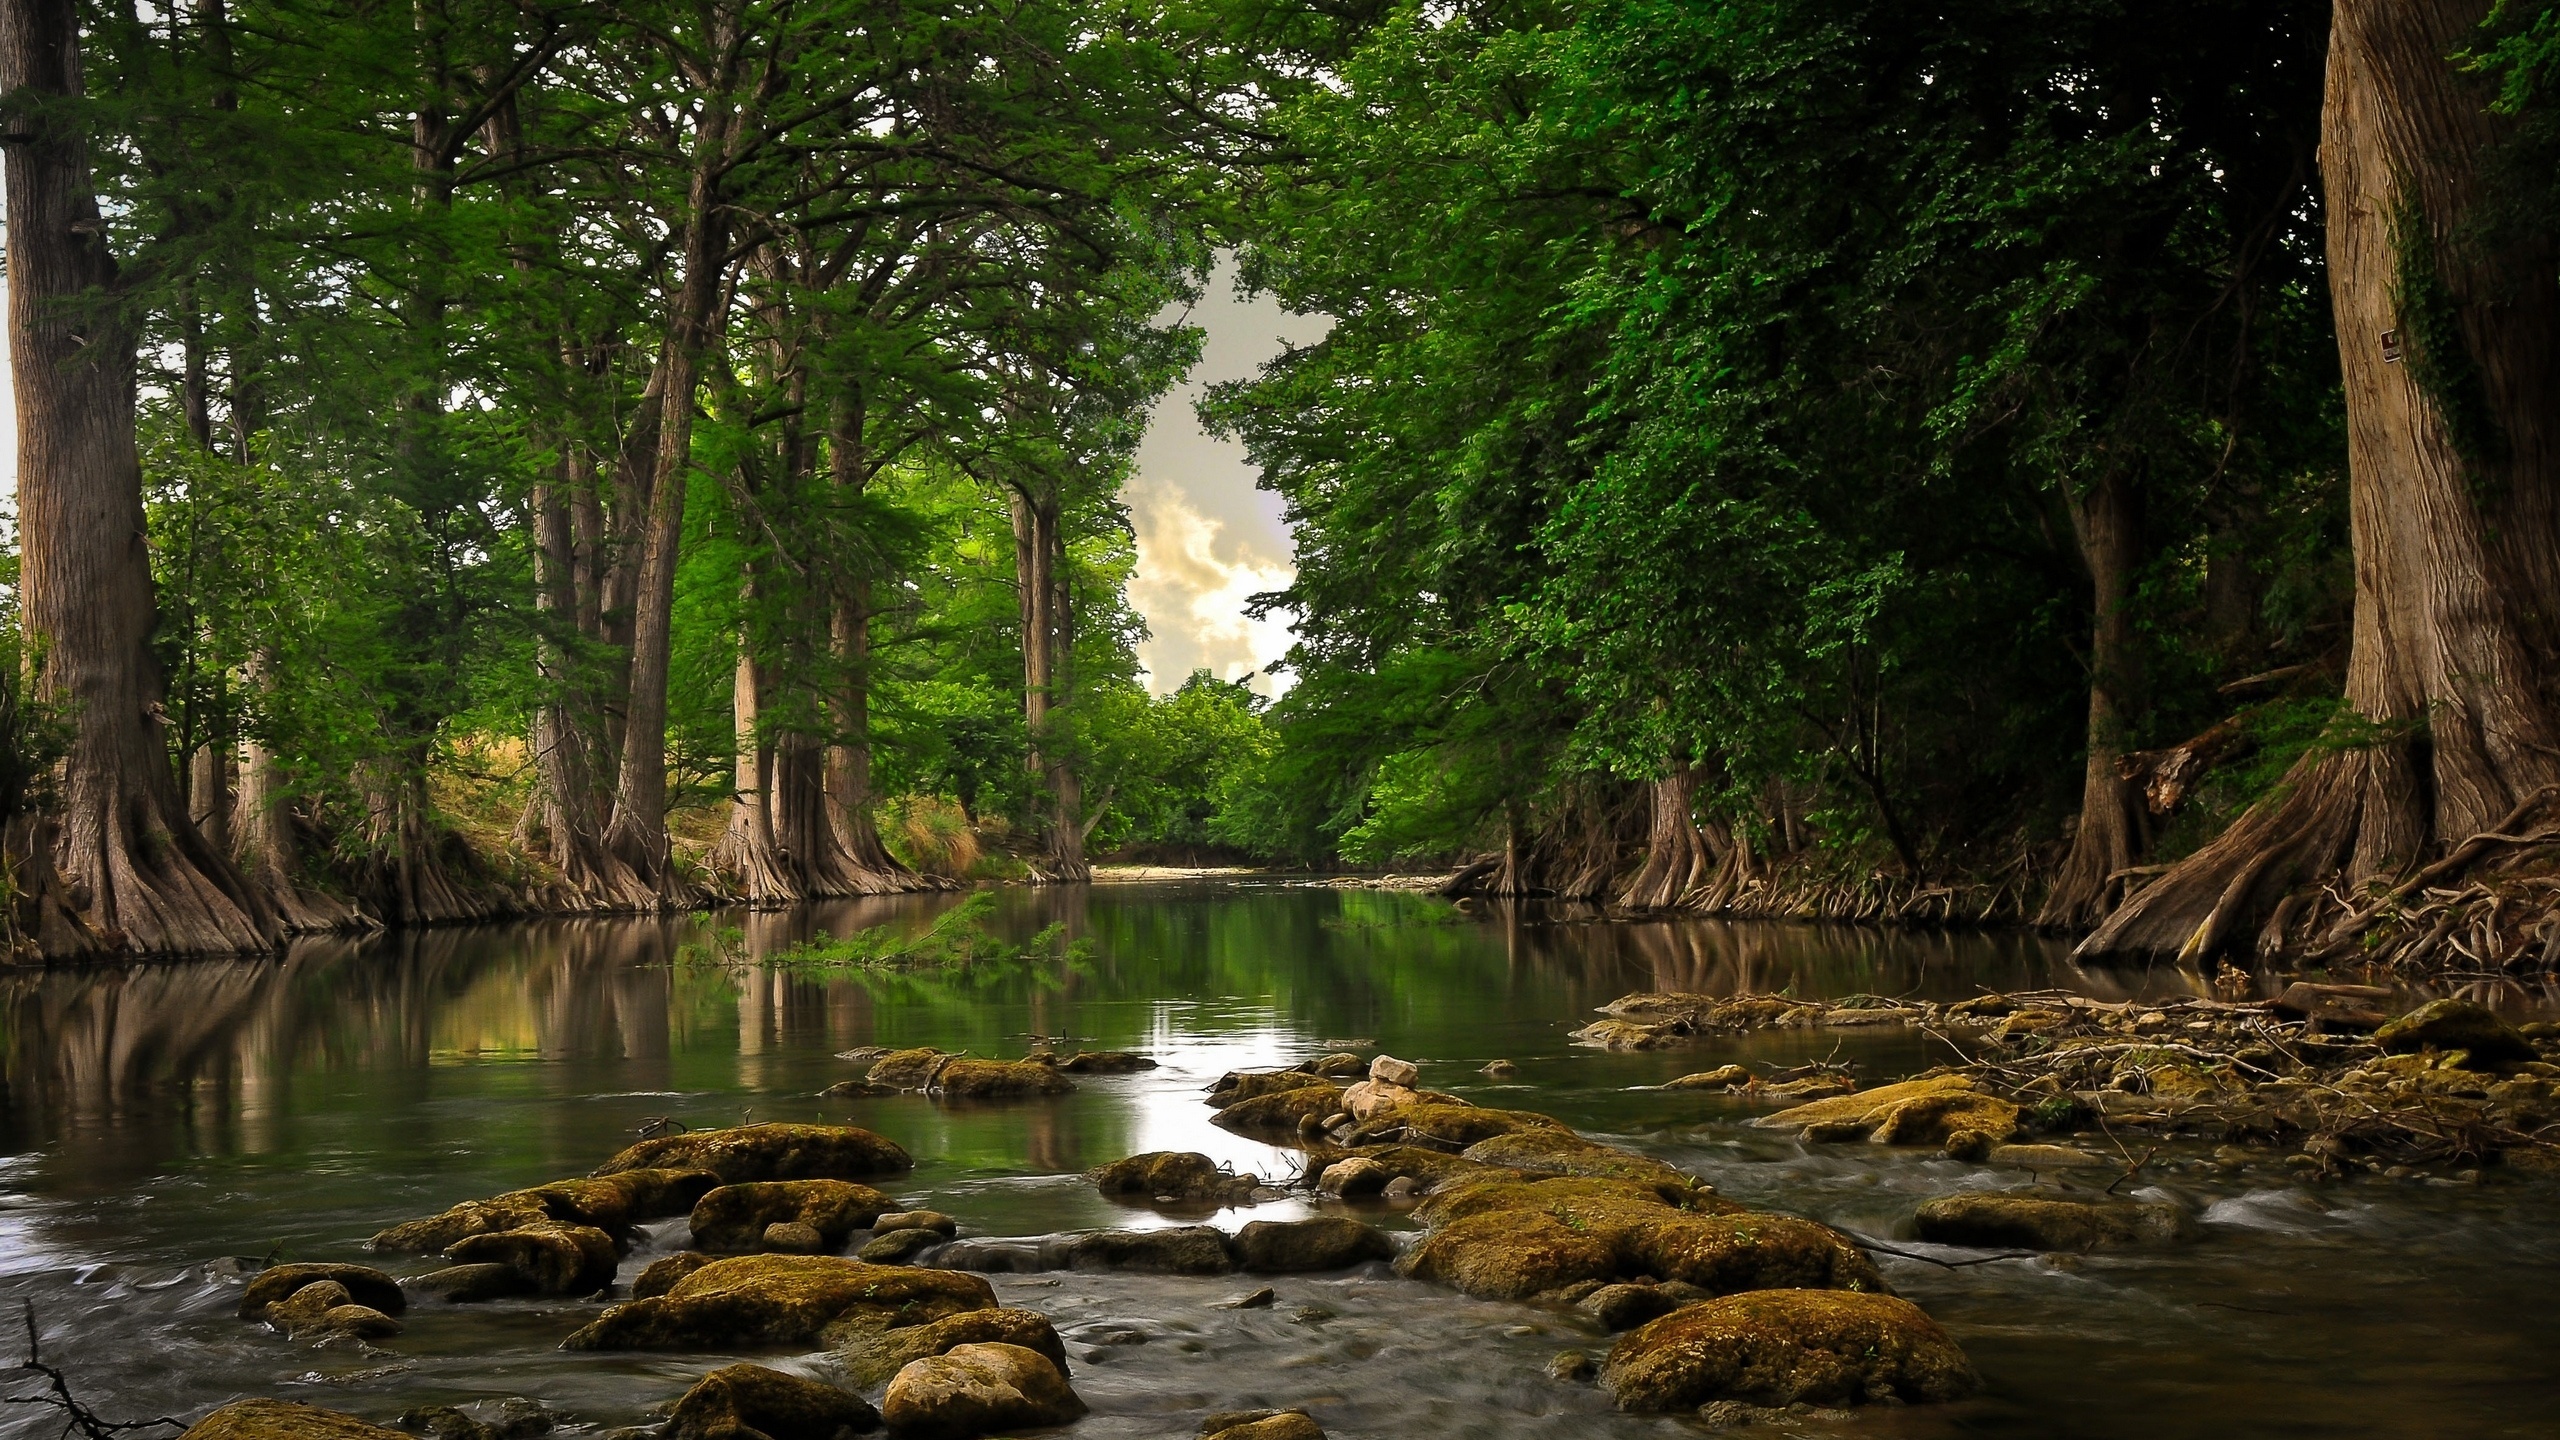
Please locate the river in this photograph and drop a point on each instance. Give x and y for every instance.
(160, 1121)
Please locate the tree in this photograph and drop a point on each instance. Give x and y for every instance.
(135, 862)
(2450, 346)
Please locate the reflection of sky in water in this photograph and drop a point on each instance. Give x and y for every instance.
(161, 1117)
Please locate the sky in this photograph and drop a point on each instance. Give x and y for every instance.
(1207, 539)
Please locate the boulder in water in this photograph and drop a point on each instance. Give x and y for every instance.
(909, 1069)
(933, 1220)
(999, 1080)
(1388, 1070)
(284, 1420)
(873, 1358)
(750, 1402)
(1181, 1174)
(1779, 1347)
(612, 1204)
(1914, 1112)
(662, 1274)
(1628, 1035)
(1181, 1250)
(1623, 1307)
(2030, 1223)
(1237, 1086)
(1341, 1065)
(469, 1284)
(1280, 1110)
(363, 1285)
(1523, 1240)
(897, 1247)
(735, 1217)
(780, 1300)
(980, 1389)
(1327, 1242)
(747, 1153)
(553, 1258)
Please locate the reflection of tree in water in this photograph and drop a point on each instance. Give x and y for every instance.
(127, 1067)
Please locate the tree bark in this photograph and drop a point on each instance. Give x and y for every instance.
(1676, 859)
(747, 855)
(2454, 497)
(638, 833)
(134, 863)
(2113, 829)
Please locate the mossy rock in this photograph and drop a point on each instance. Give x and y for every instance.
(2031, 1223)
(999, 1080)
(750, 1402)
(1280, 1110)
(1913, 1112)
(1562, 1152)
(1529, 1192)
(471, 1284)
(983, 1389)
(2449, 1025)
(874, 1357)
(553, 1258)
(1182, 1174)
(1325, 1242)
(1455, 1126)
(748, 1153)
(364, 1284)
(780, 1300)
(612, 1203)
(908, 1069)
(1781, 1347)
(734, 1217)
(284, 1420)
(1237, 1086)
(1515, 1242)
(1627, 1035)
(662, 1274)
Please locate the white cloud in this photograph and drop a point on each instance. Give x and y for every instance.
(1194, 597)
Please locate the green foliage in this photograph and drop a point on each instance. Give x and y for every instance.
(957, 939)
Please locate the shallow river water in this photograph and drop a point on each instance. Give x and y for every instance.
(158, 1120)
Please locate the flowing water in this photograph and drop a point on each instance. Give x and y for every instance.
(161, 1120)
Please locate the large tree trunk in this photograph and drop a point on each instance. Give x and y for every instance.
(1676, 859)
(846, 785)
(135, 864)
(1038, 550)
(747, 856)
(566, 738)
(638, 833)
(266, 843)
(2114, 829)
(2454, 460)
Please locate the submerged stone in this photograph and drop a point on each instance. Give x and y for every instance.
(1719, 1078)
(469, 1284)
(1560, 1151)
(908, 1069)
(1914, 1112)
(2031, 1223)
(769, 1152)
(1326, 1242)
(750, 1402)
(1531, 1239)
(1781, 1347)
(1237, 1086)
(978, 1389)
(661, 1275)
(780, 1300)
(897, 1247)
(611, 1203)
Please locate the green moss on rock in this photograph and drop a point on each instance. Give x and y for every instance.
(1779, 1347)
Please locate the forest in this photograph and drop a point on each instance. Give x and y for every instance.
(2052, 462)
